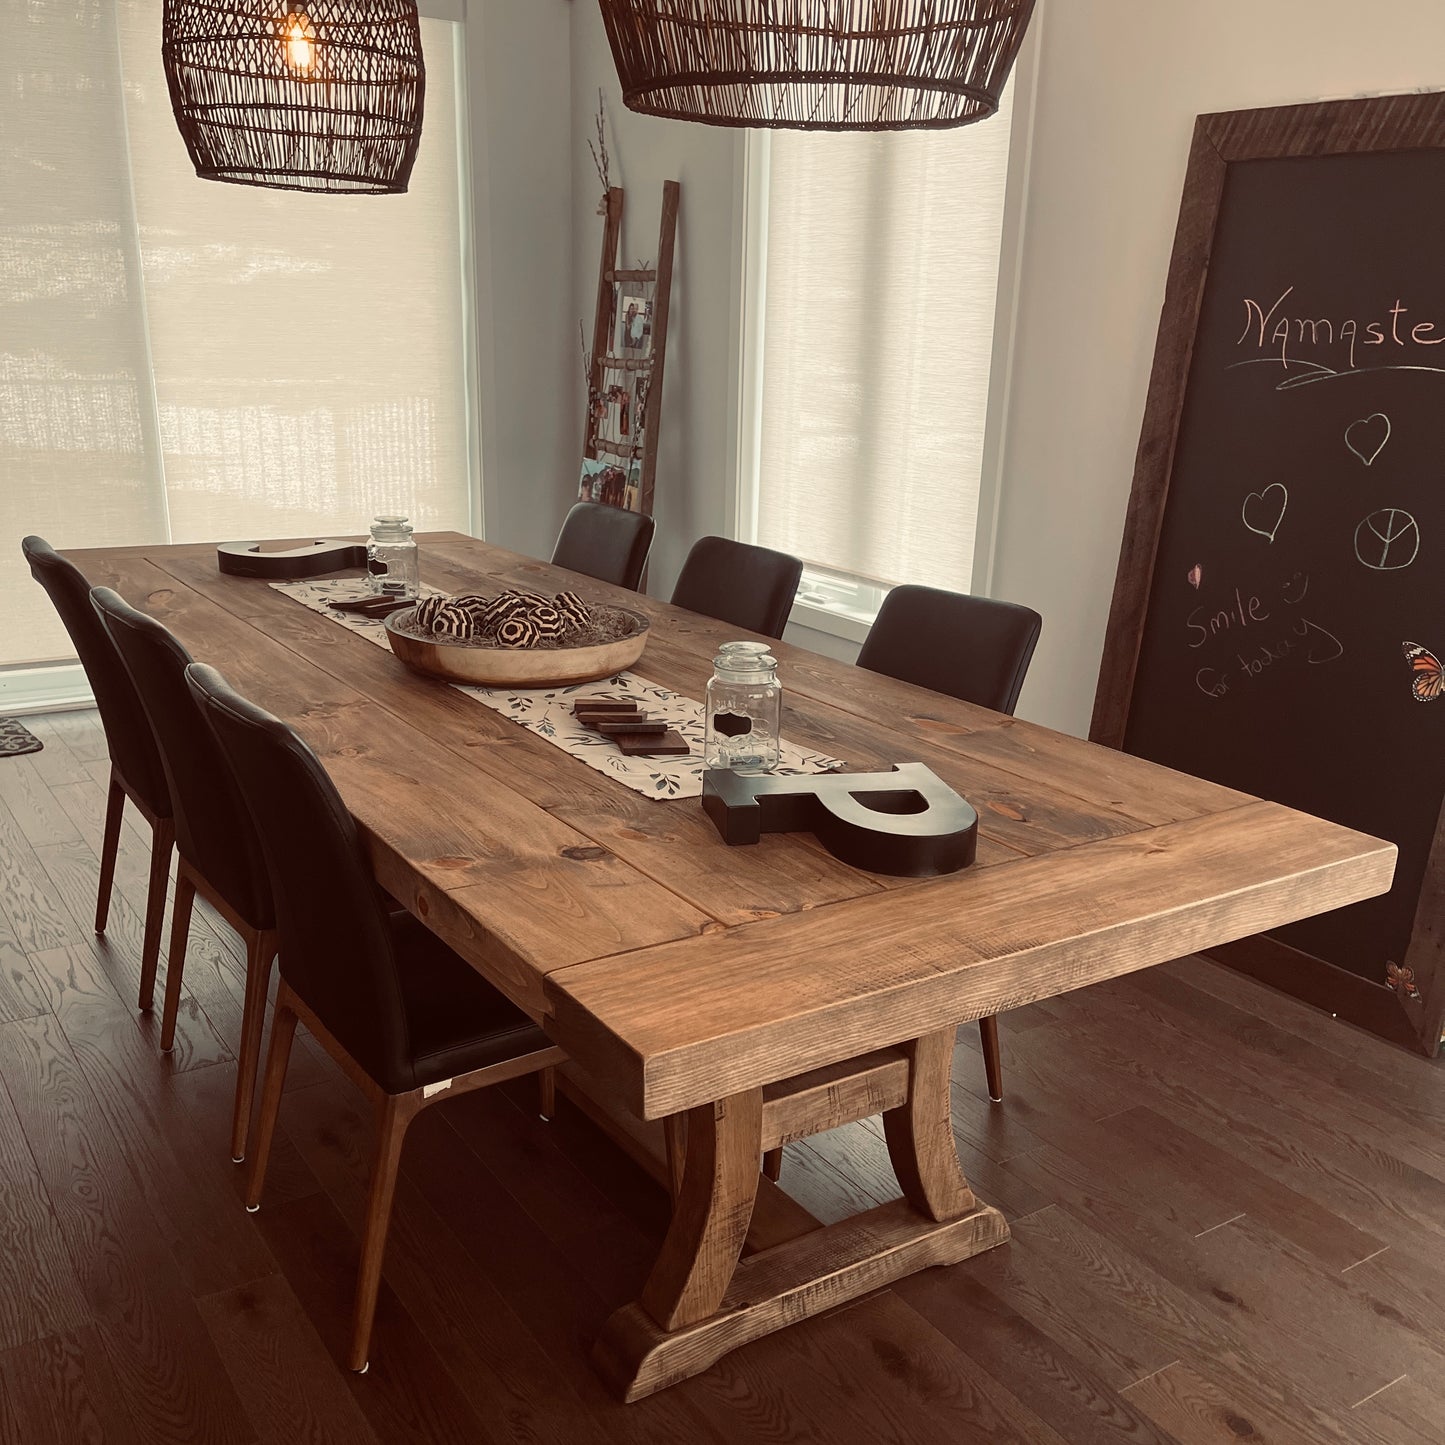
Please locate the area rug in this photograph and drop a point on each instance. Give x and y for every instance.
(16, 739)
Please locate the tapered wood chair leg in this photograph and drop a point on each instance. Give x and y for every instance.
(393, 1115)
(260, 951)
(547, 1093)
(114, 808)
(176, 958)
(283, 1032)
(163, 841)
(992, 1058)
(773, 1164)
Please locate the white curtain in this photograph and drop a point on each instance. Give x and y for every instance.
(882, 261)
(182, 360)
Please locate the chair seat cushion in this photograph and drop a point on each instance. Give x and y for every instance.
(456, 1020)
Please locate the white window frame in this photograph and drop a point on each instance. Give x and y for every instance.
(835, 602)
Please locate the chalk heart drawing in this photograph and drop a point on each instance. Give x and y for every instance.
(1368, 436)
(1264, 511)
(1387, 540)
(1196, 576)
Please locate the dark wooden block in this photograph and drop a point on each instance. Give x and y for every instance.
(604, 704)
(649, 745)
(631, 725)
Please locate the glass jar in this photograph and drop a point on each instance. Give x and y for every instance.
(744, 709)
(392, 565)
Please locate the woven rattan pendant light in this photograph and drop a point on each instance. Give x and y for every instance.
(302, 95)
(816, 64)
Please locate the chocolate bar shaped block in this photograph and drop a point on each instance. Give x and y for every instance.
(604, 704)
(651, 745)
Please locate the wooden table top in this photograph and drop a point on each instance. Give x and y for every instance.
(680, 970)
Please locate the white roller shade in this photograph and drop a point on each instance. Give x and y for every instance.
(182, 360)
(882, 261)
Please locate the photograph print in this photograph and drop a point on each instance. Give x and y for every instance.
(634, 324)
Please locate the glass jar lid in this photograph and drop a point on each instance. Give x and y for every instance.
(392, 524)
(747, 658)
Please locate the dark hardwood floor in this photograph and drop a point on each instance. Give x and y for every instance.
(1228, 1223)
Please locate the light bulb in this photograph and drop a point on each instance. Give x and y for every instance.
(298, 42)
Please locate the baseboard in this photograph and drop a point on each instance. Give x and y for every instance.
(44, 687)
(1345, 995)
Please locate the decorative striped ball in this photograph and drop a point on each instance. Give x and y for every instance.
(454, 622)
(518, 632)
(548, 621)
(426, 612)
(575, 612)
(475, 606)
(509, 604)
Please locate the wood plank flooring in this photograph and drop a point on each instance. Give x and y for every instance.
(1228, 1215)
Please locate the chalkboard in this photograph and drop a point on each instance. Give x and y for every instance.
(1280, 611)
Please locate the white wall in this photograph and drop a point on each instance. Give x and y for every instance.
(1120, 84)
(520, 105)
(694, 444)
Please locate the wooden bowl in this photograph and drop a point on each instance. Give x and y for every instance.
(520, 667)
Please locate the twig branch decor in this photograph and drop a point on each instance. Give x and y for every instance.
(600, 159)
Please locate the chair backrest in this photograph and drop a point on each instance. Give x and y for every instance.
(213, 828)
(335, 943)
(133, 751)
(973, 648)
(609, 543)
(751, 587)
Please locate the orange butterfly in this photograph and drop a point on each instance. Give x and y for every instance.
(1402, 980)
(1428, 683)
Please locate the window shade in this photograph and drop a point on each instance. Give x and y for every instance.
(882, 258)
(188, 361)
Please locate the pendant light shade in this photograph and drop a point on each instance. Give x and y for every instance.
(816, 64)
(301, 95)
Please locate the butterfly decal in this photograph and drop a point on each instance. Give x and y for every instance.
(1402, 980)
(1428, 680)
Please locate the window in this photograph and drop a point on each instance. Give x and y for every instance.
(189, 361)
(873, 277)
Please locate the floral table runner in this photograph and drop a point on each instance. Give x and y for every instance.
(548, 711)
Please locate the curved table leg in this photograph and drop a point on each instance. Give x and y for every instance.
(700, 1302)
(920, 1133)
(713, 1210)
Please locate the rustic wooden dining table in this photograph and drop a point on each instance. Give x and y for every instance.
(746, 997)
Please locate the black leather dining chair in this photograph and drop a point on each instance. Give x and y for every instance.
(976, 649)
(751, 587)
(219, 854)
(406, 1019)
(609, 543)
(136, 772)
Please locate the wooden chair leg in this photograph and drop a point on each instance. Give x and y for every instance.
(114, 808)
(283, 1032)
(992, 1058)
(260, 950)
(163, 841)
(393, 1116)
(176, 958)
(547, 1094)
(773, 1164)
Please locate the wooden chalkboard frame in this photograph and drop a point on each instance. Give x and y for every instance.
(1348, 127)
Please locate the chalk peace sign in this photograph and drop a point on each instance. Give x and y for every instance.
(1387, 540)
